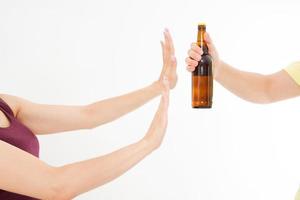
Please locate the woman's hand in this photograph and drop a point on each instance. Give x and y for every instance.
(169, 60)
(159, 123)
(195, 52)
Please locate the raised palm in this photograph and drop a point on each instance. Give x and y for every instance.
(169, 60)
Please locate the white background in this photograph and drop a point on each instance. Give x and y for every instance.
(77, 52)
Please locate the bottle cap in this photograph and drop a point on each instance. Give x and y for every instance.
(201, 26)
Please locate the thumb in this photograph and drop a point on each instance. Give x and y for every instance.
(211, 47)
(208, 40)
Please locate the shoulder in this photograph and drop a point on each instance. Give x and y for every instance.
(12, 101)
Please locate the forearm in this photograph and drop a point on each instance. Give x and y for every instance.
(32, 177)
(110, 109)
(81, 177)
(248, 86)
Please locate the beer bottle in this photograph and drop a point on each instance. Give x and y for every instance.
(202, 77)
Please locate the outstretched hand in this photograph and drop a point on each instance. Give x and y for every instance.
(168, 80)
(169, 60)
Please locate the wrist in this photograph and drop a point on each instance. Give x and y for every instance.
(148, 143)
(218, 68)
(156, 87)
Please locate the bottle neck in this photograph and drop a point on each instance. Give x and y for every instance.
(201, 42)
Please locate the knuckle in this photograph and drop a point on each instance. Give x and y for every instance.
(196, 48)
(195, 57)
(192, 54)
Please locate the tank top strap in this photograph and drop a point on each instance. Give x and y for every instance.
(5, 108)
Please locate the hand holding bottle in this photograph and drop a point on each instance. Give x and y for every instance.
(202, 72)
(195, 53)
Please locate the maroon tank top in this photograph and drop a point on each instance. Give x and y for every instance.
(21, 137)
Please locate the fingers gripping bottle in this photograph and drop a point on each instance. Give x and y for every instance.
(202, 77)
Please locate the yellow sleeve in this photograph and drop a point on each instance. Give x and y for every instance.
(297, 197)
(294, 71)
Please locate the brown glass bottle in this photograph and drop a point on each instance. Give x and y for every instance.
(202, 77)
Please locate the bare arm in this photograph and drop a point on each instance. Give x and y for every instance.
(23, 173)
(253, 87)
(256, 87)
(45, 119)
